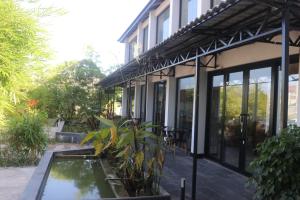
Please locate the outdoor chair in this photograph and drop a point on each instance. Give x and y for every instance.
(169, 137)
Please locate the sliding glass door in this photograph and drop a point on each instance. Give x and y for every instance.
(130, 101)
(233, 111)
(184, 108)
(240, 115)
(142, 103)
(159, 105)
(259, 110)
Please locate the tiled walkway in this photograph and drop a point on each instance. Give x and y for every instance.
(214, 182)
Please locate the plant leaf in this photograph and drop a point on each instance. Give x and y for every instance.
(139, 159)
(98, 145)
(107, 122)
(88, 137)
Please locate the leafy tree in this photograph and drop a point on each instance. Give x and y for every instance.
(72, 91)
(22, 52)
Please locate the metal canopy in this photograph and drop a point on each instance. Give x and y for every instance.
(232, 24)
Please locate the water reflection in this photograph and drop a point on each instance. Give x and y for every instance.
(76, 179)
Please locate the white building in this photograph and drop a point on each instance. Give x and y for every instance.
(234, 51)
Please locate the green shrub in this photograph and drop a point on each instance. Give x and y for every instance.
(27, 137)
(10, 157)
(277, 169)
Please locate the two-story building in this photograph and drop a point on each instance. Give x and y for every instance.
(225, 73)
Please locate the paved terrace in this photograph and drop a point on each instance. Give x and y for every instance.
(214, 182)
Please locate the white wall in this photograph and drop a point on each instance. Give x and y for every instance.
(170, 102)
(124, 102)
(201, 111)
(152, 30)
(174, 16)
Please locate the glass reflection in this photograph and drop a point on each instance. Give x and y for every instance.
(216, 113)
(143, 101)
(184, 120)
(188, 11)
(163, 26)
(131, 95)
(293, 93)
(159, 104)
(233, 110)
(259, 105)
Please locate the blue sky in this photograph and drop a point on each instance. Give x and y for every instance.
(96, 23)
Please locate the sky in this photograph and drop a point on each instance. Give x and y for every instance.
(95, 23)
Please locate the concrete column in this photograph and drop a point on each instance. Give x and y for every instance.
(137, 100)
(202, 113)
(124, 102)
(152, 30)
(150, 98)
(170, 102)
(174, 16)
(203, 7)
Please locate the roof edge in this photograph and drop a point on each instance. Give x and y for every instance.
(143, 14)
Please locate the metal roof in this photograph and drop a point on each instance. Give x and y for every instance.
(216, 24)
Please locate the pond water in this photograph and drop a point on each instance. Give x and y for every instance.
(77, 179)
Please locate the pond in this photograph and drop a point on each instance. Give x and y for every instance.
(71, 178)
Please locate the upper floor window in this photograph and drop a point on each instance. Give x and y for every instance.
(133, 48)
(145, 39)
(162, 31)
(188, 11)
(214, 3)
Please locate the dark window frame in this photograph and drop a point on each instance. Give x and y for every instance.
(176, 100)
(142, 97)
(131, 48)
(275, 64)
(145, 30)
(155, 97)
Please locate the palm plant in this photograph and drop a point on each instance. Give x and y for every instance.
(140, 172)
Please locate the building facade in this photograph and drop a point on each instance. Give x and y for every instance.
(223, 74)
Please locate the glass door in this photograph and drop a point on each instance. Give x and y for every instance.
(240, 115)
(184, 110)
(159, 105)
(142, 103)
(216, 123)
(233, 111)
(259, 109)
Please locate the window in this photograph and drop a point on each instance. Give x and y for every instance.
(159, 105)
(184, 116)
(188, 11)
(133, 50)
(142, 104)
(293, 93)
(130, 101)
(214, 3)
(145, 39)
(162, 26)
